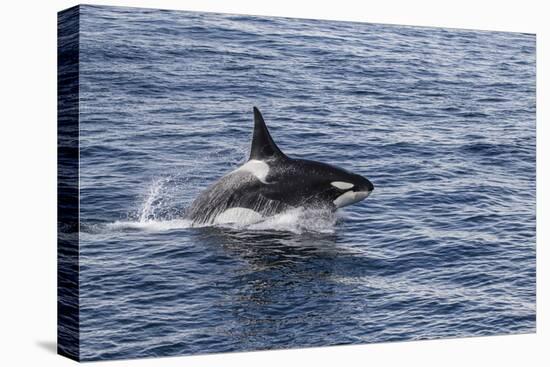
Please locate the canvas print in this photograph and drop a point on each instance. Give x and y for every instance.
(241, 183)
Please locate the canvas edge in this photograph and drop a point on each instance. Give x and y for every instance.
(68, 228)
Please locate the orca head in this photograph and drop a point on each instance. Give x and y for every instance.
(332, 185)
(348, 188)
(315, 180)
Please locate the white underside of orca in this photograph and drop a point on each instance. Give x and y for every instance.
(243, 216)
(350, 197)
(259, 169)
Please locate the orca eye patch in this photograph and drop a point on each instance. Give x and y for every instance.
(342, 185)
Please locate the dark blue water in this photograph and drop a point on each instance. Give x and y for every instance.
(441, 121)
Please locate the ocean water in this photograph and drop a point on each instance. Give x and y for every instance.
(442, 122)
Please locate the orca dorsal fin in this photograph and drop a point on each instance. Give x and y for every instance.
(263, 147)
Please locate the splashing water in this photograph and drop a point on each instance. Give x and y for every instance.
(150, 225)
(299, 220)
(156, 214)
(153, 200)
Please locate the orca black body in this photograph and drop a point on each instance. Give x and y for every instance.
(271, 182)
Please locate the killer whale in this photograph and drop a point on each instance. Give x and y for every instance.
(270, 182)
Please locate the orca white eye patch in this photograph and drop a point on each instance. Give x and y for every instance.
(342, 185)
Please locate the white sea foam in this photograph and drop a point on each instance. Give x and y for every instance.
(296, 220)
(299, 220)
(238, 215)
(154, 215)
(151, 225)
